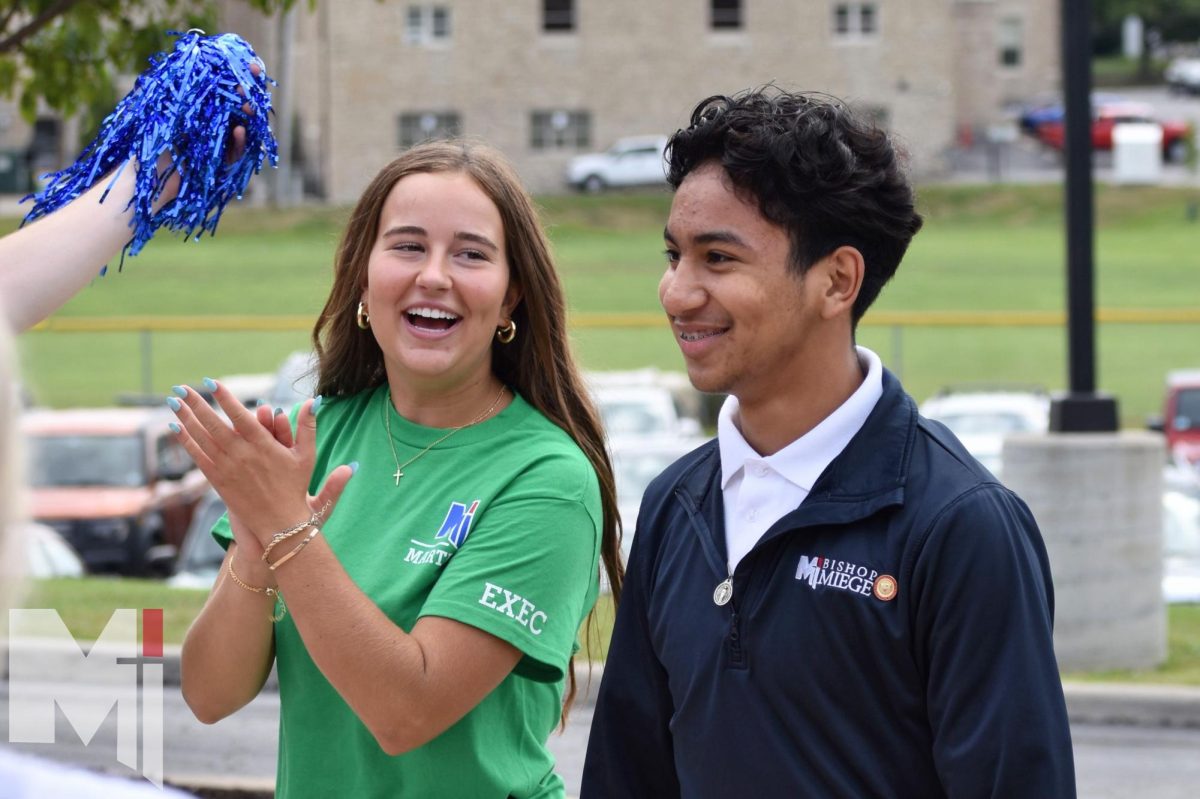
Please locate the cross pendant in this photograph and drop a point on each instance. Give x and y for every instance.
(398, 475)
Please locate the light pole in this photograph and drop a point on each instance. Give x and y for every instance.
(1082, 408)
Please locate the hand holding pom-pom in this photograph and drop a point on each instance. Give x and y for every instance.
(197, 127)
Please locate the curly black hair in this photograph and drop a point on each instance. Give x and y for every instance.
(814, 168)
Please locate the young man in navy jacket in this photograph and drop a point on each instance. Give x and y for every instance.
(832, 599)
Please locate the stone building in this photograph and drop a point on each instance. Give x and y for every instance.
(545, 80)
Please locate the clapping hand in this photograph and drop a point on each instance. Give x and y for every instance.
(253, 462)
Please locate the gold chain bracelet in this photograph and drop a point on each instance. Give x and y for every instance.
(270, 592)
(292, 554)
(283, 535)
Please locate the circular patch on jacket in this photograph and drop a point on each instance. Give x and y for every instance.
(885, 588)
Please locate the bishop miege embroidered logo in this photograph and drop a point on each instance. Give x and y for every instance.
(819, 571)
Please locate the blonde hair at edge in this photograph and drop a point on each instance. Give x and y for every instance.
(10, 554)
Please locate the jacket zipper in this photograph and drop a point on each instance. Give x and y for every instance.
(723, 593)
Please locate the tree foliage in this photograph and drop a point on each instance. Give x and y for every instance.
(69, 53)
(1173, 20)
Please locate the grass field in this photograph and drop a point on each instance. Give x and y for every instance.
(86, 604)
(982, 249)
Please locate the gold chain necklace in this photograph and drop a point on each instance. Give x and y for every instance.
(387, 423)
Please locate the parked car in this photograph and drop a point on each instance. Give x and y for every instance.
(1107, 116)
(642, 411)
(1181, 547)
(1180, 421)
(1034, 115)
(250, 389)
(295, 380)
(114, 483)
(200, 557)
(1183, 75)
(635, 463)
(645, 402)
(47, 554)
(632, 161)
(982, 418)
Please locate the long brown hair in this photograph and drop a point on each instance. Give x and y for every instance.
(538, 364)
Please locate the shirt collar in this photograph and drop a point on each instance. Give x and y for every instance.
(802, 461)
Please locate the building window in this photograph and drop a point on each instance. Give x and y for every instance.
(427, 24)
(851, 20)
(1009, 38)
(560, 130)
(558, 16)
(726, 14)
(419, 126)
(441, 22)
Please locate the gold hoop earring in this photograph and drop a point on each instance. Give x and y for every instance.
(506, 334)
(362, 317)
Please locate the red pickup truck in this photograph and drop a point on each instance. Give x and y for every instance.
(1109, 115)
(1180, 421)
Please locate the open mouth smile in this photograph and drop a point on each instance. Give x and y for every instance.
(431, 320)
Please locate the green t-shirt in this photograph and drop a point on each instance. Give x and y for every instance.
(498, 527)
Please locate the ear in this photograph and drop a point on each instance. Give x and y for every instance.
(842, 271)
(512, 298)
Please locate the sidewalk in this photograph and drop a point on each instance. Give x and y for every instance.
(1108, 710)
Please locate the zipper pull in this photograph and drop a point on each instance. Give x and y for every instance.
(723, 592)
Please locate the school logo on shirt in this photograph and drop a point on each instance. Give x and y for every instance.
(457, 524)
(452, 534)
(843, 575)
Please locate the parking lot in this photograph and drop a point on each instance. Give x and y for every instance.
(1029, 161)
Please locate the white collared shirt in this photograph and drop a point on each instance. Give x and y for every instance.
(758, 491)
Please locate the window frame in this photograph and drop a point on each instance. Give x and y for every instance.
(559, 20)
(1005, 24)
(847, 17)
(730, 16)
(574, 134)
(422, 28)
(411, 130)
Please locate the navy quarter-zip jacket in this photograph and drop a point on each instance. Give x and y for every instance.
(890, 637)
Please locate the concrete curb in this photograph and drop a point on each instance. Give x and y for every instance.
(1132, 705)
(1118, 704)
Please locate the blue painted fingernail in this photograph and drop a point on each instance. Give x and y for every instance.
(316, 403)
(174, 427)
(174, 404)
(210, 384)
(180, 390)
(278, 411)
(354, 467)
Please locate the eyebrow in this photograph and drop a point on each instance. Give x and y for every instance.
(712, 236)
(416, 230)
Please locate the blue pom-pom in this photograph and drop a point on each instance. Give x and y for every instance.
(185, 104)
